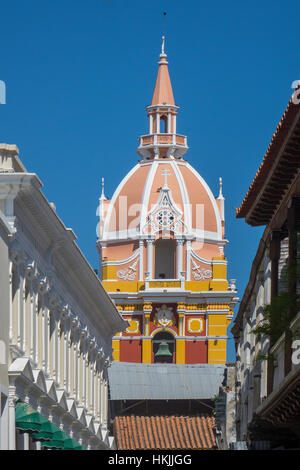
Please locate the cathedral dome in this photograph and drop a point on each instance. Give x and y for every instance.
(159, 195)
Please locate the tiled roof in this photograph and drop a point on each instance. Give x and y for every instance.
(164, 432)
(286, 166)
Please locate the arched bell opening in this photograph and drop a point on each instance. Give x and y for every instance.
(163, 345)
(164, 125)
(165, 250)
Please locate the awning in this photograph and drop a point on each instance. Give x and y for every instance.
(41, 429)
(27, 418)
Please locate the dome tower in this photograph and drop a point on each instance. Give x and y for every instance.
(161, 248)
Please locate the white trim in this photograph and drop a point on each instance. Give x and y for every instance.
(211, 197)
(113, 200)
(177, 337)
(146, 195)
(205, 261)
(123, 261)
(132, 234)
(158, 330)
(184, 196)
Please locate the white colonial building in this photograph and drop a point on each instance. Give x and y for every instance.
(56, 324)
(267, 325)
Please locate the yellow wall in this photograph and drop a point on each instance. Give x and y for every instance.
(180, 351)
(147, 345)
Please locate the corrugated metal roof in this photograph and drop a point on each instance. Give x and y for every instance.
(131, 381)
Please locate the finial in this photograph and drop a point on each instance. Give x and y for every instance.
(220, 186)
(102, 193)
(163, 45)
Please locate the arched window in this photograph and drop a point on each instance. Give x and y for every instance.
(163, 125)
(165, 259)
(163, 345)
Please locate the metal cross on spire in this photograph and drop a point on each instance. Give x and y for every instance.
(166, 173)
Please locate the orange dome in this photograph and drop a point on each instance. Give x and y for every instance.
(194, 209)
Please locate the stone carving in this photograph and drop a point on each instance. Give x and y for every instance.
(200, 274)
(129, 273)
(31, 270)
(164, 316)
(43, 285)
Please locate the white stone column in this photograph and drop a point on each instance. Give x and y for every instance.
(141, 266)
(174, 123)
(12, 418)
(169, 123)
(150, 242)
(66, 346)
(33, 324)
(157, 123)
(21, 311)
(3, 421)
(188, 260)
(151, 124)
(77, 370)
(16, 304)
(83, 367)
(10, 301)
(23, 441)
(105, 396)
(179, 256)
(46, 339)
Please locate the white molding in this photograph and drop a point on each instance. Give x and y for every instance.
(211, 197)
(200, 337)
(185, 197)
(146, 195)
(123, 261)
(207, 261)
(113, 200)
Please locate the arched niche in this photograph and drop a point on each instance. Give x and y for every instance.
(165, 250)
(166, 337)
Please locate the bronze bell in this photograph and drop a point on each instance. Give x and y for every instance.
(163, 350)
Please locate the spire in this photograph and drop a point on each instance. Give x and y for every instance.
(162, 140)
(163, 93)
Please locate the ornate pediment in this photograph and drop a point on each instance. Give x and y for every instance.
(165, 215)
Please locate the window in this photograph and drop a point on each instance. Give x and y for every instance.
(165, 259)
(163, 125)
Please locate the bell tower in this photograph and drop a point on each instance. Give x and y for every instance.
(162, 140)
(161, 249)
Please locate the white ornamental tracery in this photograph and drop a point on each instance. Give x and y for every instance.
(165, 215)
(200, 274)
(129, 273)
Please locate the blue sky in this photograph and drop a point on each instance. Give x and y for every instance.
(80, 74)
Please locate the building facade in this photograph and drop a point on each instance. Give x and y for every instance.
(57, 323)
(266, 328)
(161, 248)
